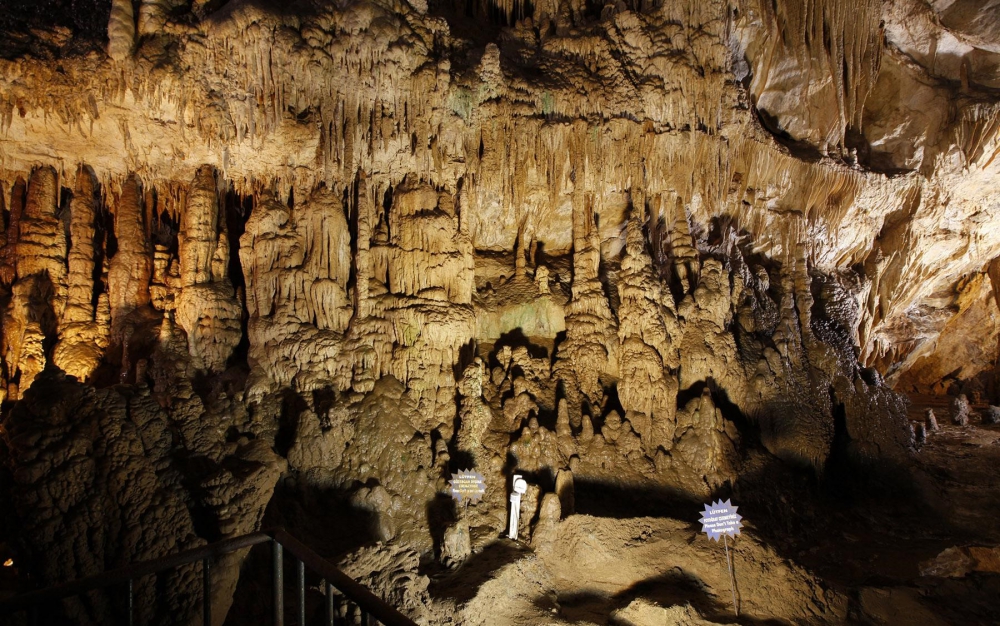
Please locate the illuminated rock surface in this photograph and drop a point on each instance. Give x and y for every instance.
(296, 264)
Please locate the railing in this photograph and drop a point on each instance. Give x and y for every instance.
(370, 605)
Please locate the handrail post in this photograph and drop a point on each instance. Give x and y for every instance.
(302, 591)
(279, 585)
(206, 584)
(329, 604)
(131, 603)
(375, 609)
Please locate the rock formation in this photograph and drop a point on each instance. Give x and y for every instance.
(360, 244)
(960, 410)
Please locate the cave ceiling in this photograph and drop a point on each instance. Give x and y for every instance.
(359, 245)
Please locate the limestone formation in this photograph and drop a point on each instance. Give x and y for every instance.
(130, 268)
(991, 415)
(646, 389)
(104, 474)
(121, 30)
(153, 16)
(85, 325)
(931, 421)
(206, 308)
(456, 545)
(332, 254)
(960, 410)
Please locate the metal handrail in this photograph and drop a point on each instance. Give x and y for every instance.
(369, 603)
(355, 591)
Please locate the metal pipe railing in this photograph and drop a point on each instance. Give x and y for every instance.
(357, 593)
(278, 565)
(368, 603)
(124, 575)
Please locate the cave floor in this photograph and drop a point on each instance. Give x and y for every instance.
(812, 551)
(808, 555)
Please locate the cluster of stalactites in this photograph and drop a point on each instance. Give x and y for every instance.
(206, 308)
(51, 283)
(122, 28)
(69, 293)
(840, 40)
(349, 290)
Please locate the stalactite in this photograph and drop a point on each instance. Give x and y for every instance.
(978, 133)
(130, 269)
(199, 228)
(8, 265)
(363, 261)
(833, 38)
(121, 30)
(42, 245)
(83, 222)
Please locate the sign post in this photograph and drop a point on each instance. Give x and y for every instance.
(721, 520)
(467, 486)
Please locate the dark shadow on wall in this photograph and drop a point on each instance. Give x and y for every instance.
(615, 500)
(841, 528)
(323, 519)
(86, 20)
(441, 514)
(292, 407)
(237, 210)
(516, 339)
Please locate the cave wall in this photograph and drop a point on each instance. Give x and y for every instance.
(367, 243)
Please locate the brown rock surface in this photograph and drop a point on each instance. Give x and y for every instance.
(355, 246)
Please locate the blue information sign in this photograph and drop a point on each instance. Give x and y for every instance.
(720, 519)
(467, 485)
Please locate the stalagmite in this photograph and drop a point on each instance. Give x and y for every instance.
(931, 421)
(683, 253)
(960, 410)
(647, 353)
(38, 297)
(641, 253)
(589, 350)
(82, 255)
(83, 336)
(991, 415)
(474, 413)
(199, 229)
